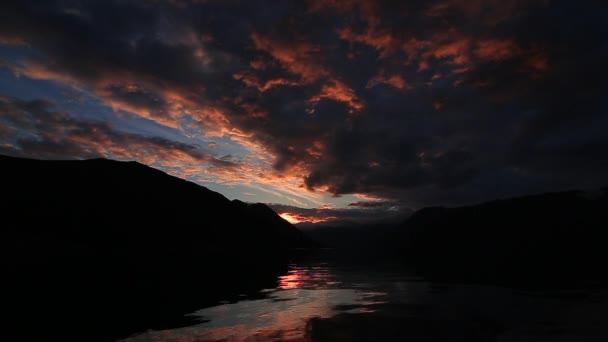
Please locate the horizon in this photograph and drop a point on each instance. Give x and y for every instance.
(325, 110)
(307, 218)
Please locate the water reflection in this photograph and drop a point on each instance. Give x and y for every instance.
(311, 277)
(319, 303)
(305, 292)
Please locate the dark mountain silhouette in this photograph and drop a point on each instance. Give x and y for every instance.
(553, 239)
(106, 203)
(120, 246)
(379, 237)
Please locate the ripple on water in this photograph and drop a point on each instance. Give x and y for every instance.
(318, 303)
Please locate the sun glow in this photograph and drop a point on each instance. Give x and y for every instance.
(291, 219)
(295, 218)
(292, 280)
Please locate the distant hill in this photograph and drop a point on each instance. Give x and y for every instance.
(129, 245)
(553, 239)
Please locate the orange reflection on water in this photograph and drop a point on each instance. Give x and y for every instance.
(289, 281)
(307, 278)
(302, 294)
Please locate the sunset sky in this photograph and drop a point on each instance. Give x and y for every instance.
(327, 109)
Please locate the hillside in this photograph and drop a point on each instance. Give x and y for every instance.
(120, 246)
(111, 204)
(550, 239)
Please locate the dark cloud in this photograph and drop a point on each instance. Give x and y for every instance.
(360, 213)
(419, 102)
(377, 204)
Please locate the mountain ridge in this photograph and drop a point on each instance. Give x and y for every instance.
(122, 247)
(90, 191)
(543, 239)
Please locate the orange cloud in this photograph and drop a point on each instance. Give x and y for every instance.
(424, 65)
(115, 88)
(295, 218)
(159, 114)
(258, 64)
(395, 81)
(450, 46)
(497, 49)
(177, 101)
(455, 49)
(412, 48)
(297, 57)
(278, 81)
(287, 217)
(316, 149)
(436, 76)
(260, 175)
(253, 110)
(252, 81)
(58, 132)
(41, 72)
(382, 41)
(338, 91)
(398, 82)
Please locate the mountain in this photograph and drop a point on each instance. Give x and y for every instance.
(104, 203)
(362, 237)
(553, 239)
(121, 246)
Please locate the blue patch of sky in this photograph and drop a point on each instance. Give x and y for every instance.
(83, 104)
(242, 192)
(16, 53)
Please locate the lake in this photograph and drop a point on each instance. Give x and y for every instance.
(325, 300)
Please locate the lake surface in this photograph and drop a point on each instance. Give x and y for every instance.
(326, 301)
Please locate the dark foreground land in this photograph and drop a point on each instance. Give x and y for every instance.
(547, 240)
(102, 249)
(551, 240)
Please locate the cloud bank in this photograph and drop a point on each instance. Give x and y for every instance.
(410, 102)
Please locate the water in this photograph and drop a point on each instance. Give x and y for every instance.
(336, 302)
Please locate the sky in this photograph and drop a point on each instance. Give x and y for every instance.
(347, 110)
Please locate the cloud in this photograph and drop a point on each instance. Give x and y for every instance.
(297, 57)
(253, 81)
(137, 63)
(57, 135)
(338, 91)
(415, 102)
(373, 204)
(395, 81)
(385, 42)
(495, 49)
(361, 212)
